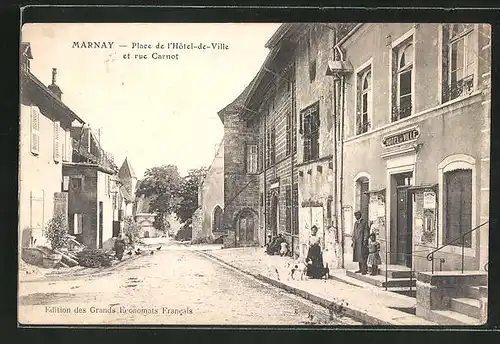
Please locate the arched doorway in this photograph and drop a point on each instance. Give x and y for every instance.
(362, 185)
(274, 220)
(246, 224)
(217, 219)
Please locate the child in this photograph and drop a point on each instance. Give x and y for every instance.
(373, 254)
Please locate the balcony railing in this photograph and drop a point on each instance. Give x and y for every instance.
(363, 127)
(401, 111)
(103, 160)
(458, 88)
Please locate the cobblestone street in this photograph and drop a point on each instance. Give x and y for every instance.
(175, 285)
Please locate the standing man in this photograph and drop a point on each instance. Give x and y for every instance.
(360, 243)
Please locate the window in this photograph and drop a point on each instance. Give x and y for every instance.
(217, 219)
(57, 147)
(288, 208)
(312, 52)
(77, 223)
(364, 101)
(459, 60)
(35, 131)
(260, 162)
(76, 184)
(289, 133)
(252, 156)
(65, 186)
(402, 85)
(271, 147)
(295, 209)
(294, 117)
(458, 207)
(311, 122)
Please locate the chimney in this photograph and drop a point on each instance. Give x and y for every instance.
(54, 74)
(53, 87)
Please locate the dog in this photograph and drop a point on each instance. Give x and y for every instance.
(284, 249)
(297, 267)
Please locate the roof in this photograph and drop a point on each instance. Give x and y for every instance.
(33, 80)
(237, 104)
(126, 170)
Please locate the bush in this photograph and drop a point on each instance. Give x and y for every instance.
(94, 258)
(130, 228)
(57, 232)
(202, 240)
(184, 234)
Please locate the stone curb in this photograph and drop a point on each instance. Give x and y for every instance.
(352, 312)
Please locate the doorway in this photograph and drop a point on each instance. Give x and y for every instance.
(362, 198)
(274, 215)
(402, 219)
(246, 227)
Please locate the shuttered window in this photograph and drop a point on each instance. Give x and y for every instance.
(77, 224)
(251, 156)
(458, 207)
(57, 143)
(35, 131)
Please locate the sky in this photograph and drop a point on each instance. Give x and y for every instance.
(153, 111)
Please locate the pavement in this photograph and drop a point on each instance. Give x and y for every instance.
(345, 295)
(177, 285)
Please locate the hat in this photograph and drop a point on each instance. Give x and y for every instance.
(357, 212)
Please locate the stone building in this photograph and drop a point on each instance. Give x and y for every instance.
(89, 180)
(207, 221)
(44, 145)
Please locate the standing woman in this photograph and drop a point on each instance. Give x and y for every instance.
(119, 247)
(314, 260)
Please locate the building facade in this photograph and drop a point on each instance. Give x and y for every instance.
(416, 160)
(44, 145)
(207, 222)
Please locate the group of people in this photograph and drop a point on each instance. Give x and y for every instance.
(366, 249)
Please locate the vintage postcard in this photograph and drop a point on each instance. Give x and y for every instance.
(254, 173)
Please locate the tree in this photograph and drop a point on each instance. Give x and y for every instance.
(188, 194)
(161, 185)
(130, 228)
(57, 231)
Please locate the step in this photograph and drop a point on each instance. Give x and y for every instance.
(448, 317)
(476, 292)
(466, 306)
(396, 271)
(380, 281)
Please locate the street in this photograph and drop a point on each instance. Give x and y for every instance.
(174, 286)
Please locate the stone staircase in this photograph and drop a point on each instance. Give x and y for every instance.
(399, 279)
(453, 298)
(467, 309)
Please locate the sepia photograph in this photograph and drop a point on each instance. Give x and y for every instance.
(318, 174)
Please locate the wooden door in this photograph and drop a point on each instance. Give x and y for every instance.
(246, 228)
(364, 200)
(458, 207)
(404, 229)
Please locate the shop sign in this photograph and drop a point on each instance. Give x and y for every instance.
(405, 136)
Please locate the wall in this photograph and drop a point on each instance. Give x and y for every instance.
(104, 196)
(39, 176)
(316, 178)
(212, 192)
(241, 190)
(84, 202)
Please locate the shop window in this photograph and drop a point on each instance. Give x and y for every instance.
(364, 101)
(458, 207)
(402, 71)
(310, 129)
(459, 60)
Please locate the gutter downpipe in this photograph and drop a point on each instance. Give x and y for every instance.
(264, 166)
(341, 179)
(335, 158)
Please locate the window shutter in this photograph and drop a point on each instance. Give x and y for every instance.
(65, 183)
(57, 151)
(35, 131)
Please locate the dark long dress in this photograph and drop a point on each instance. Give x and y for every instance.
(119, 248)
(315, 267)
